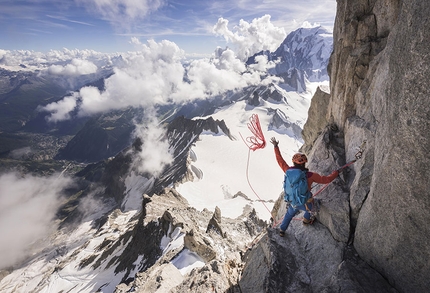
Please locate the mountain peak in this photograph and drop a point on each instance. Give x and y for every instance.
(302, 56)
(306, 49)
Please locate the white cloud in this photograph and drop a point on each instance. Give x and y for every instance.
(20, 153)
(60, 110)
(135, 41)
(155, 75)
(27, 208)
(85, 61)
(75, 68)
(155, 153)
(148, 77)
(307, 24)
(155, 72)
(262, 63)
(251, 38)
(217, 76)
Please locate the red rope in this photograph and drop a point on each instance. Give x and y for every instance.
(249, 183)
(257, 141)
(254, 143)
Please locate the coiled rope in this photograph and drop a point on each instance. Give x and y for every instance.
(255, 142)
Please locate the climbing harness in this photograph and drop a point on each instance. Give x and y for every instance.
(316, 202)
(255, 142)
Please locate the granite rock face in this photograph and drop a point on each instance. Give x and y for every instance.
(307, 259)
(317, 117)
(380, 74)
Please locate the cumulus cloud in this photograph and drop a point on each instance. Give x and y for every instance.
(30, 60)
(148, 77)
(61, 109)
(155, 153)
(74, 68)
(262, 63)
(213, 77)
(155, 75)
(251, 38)
(27, 208)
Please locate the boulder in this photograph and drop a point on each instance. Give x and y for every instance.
(197, 243)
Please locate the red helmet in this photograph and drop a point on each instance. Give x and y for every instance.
(299, 158)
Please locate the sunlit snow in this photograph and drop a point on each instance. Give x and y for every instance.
(220, 164)
(186, 261)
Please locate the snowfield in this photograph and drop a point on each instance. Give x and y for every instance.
(222, 169)
(222, 166)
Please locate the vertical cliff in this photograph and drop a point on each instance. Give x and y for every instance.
(379, 93)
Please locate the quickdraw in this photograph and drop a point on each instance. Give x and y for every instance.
(357, 156)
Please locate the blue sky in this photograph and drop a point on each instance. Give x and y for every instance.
(108, 25)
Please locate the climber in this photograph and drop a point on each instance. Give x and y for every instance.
(299, 161)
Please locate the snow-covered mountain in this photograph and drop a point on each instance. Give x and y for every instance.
(209, 173)
(308, 50)
(190, 225)
(302, 56)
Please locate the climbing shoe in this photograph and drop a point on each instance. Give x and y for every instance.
(281, 233)
(308, 222)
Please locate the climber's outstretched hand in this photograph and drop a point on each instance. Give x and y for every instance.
(274, 141)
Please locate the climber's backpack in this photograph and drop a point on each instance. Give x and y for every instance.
(296, 187)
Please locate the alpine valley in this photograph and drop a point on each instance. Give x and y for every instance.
(167, 196)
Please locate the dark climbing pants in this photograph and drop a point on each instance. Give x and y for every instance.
(291, 212)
